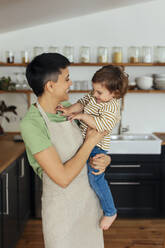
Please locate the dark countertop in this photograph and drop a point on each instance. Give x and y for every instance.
(9, 150)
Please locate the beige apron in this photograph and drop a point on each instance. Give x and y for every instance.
(70, 216)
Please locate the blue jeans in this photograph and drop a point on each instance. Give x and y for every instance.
(100, 186)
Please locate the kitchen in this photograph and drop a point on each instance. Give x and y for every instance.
(142, 110)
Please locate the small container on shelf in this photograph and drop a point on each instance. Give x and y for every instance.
(133, 54)
(146, 54)
(37, 51)
(159, 54)
(9, 57)
(102, 55)
(69, 53)
(117, 55)
(53, 49)
(84, 54)
(24, 57)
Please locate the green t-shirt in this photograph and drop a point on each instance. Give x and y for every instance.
(36, 135)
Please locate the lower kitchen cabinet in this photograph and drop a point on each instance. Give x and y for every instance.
(1, 211)
(136, 198)
(23, 191)
(135, 184)
(15, 195)
(10, 206)
(162, 204)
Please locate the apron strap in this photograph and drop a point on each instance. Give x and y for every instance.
(43, 114)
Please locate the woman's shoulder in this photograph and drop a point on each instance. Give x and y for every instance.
(32, 119)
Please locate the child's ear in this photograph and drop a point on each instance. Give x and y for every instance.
(117, 94)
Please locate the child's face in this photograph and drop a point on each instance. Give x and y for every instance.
(101, 93)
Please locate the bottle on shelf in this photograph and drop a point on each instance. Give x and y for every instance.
(146, 54)
(84, 54)
(24, 57)
(134, 54)
(53, 49)
(102, 55)
(69, 53)
(159, 54)
(37, 51)
(117, 55)
(9, 57)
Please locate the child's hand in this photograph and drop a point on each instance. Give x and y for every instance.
(75, 117)
(64, 110)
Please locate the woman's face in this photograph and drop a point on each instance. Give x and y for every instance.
(61, 87)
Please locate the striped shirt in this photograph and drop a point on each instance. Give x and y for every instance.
(106, 115)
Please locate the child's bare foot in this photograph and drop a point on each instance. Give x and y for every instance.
(107, 221)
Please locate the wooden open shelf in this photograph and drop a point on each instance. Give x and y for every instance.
(92, 64)
(29, 92)
(84, 91)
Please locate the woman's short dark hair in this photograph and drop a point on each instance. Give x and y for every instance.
(113, 78)
(43, 68)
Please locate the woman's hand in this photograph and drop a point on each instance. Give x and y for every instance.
(93, 136)
(100, 162)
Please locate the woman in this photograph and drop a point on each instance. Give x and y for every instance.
(55, 149)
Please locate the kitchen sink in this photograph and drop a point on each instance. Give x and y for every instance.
(135, 144)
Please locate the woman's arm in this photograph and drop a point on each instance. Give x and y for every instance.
(63, 174)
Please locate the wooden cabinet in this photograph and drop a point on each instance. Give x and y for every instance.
(135, 184)
(1, 212)
(10, 206)
(23, 191)
(15, 204)
(162, 204)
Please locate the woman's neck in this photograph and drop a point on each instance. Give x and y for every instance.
(48, 104)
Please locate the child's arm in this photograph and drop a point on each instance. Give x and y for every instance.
(87, 119)
(74, 108)
(106, 121)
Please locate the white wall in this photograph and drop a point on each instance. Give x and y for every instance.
(137, 25)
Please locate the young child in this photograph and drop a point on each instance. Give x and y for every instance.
(100, 109)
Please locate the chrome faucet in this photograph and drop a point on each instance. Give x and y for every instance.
(120, 128)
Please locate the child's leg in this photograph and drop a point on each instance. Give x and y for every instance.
(100, 186)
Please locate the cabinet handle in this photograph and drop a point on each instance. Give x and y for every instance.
(7, 195)
(22, 167)
(124, 183)
(126, 166)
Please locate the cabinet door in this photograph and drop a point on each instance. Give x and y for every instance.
(136, 198)
(23, 190)
(1, 211)
(10, 206)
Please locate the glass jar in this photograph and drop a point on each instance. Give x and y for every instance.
(134, 54)
(69, 53)
(9, 57)
(24, 57)
(159, 54)
(102, 55)
(53, 49)
(146, 54)
(84, 54)
(37, 51)
(117, 55)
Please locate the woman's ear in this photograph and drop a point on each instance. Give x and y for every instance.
(49, 86)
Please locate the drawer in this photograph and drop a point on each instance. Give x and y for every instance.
(134, 198)
(133, 171)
